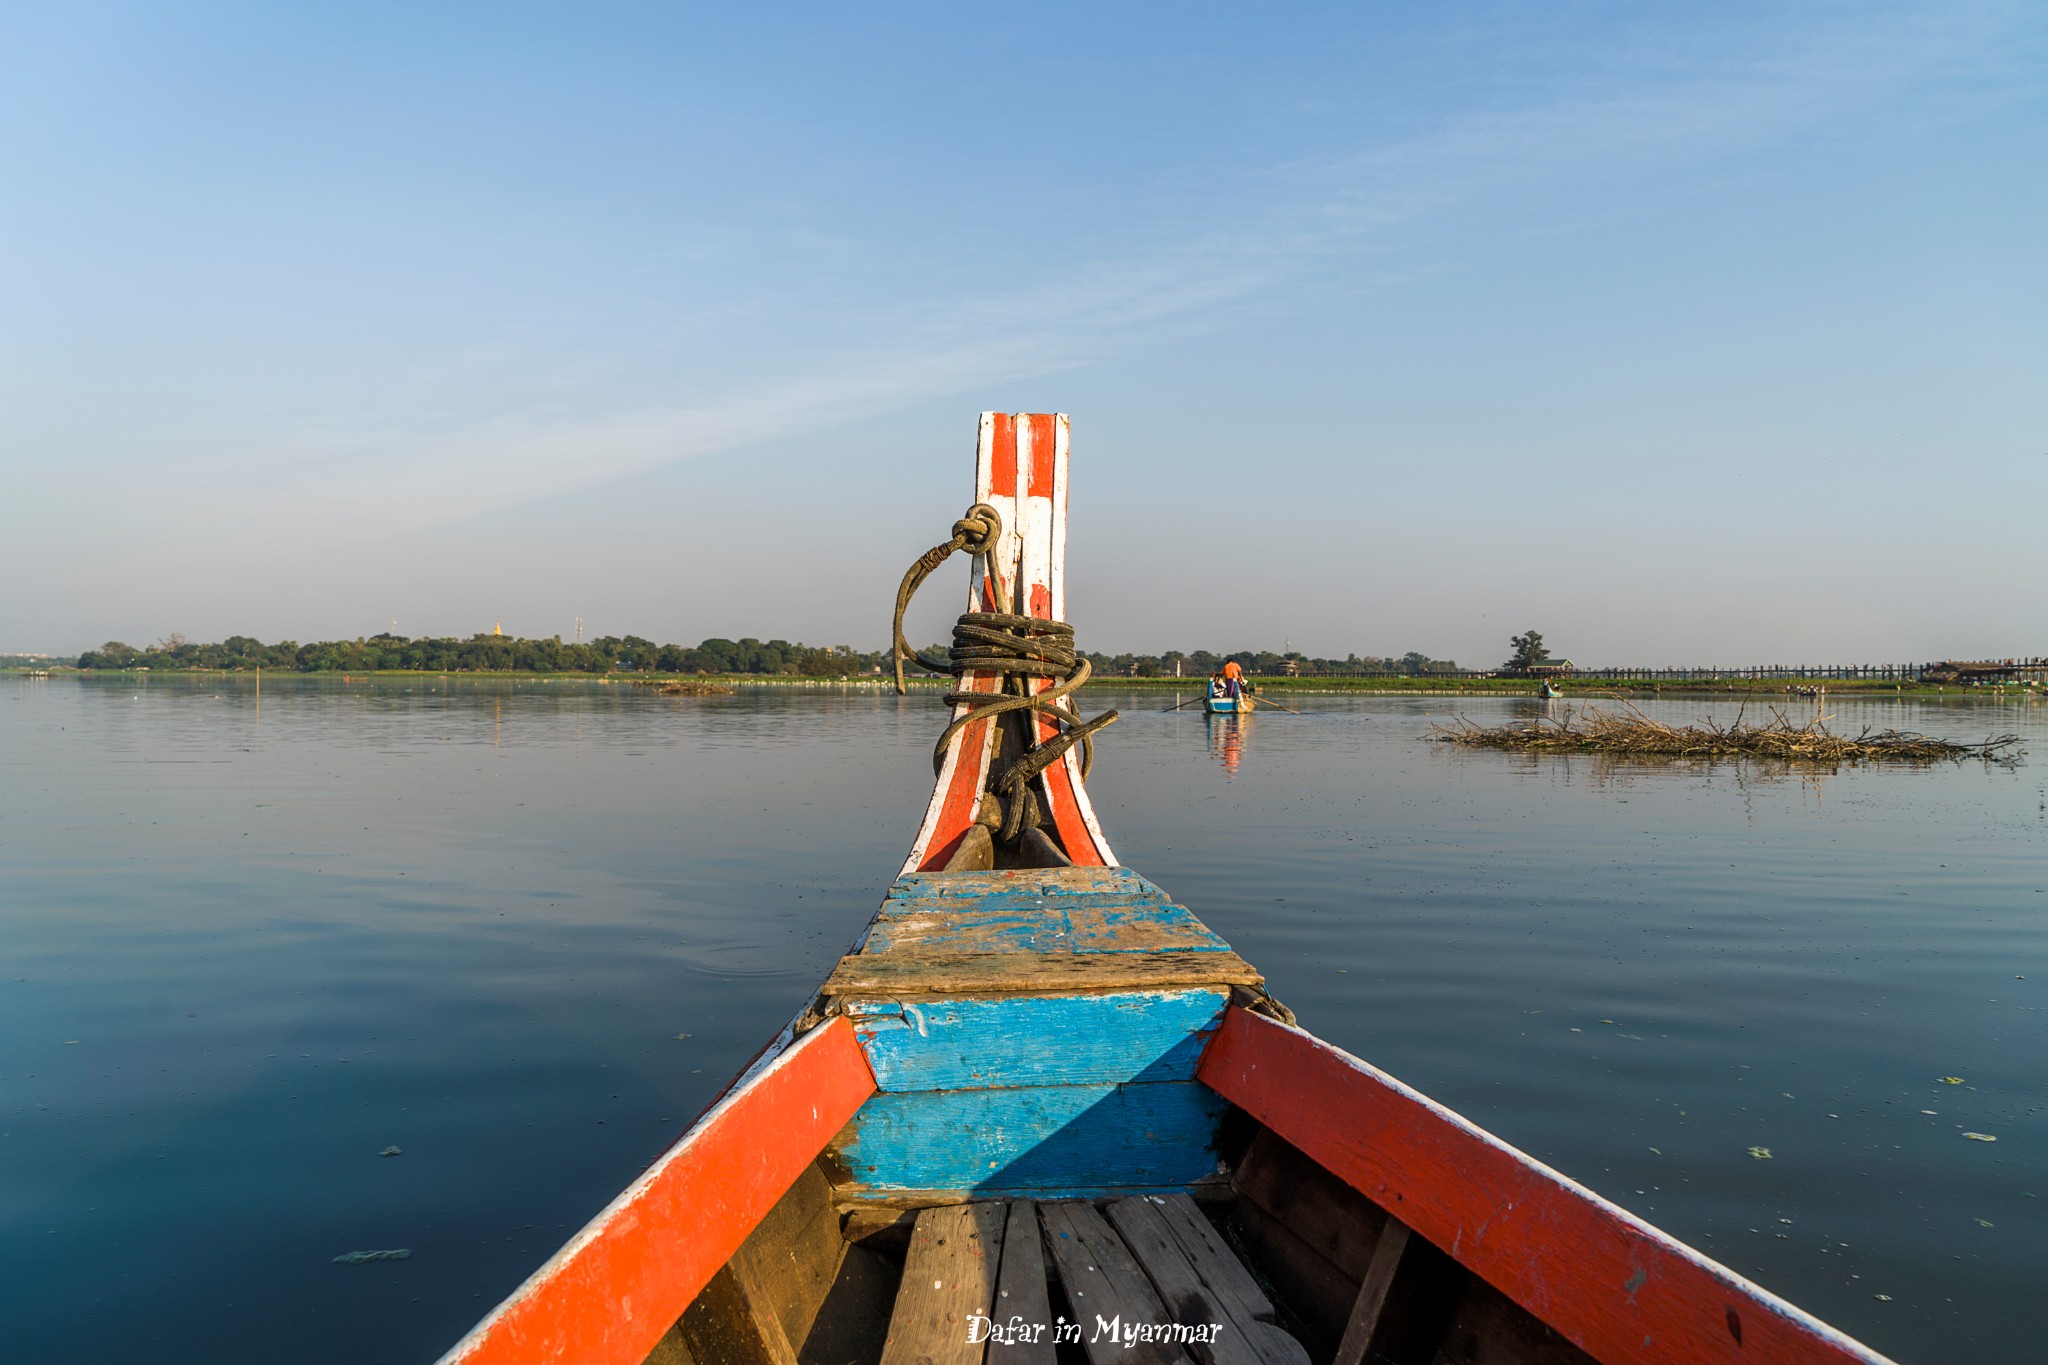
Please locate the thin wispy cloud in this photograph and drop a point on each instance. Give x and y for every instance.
(1751, 91)
(1642, 110)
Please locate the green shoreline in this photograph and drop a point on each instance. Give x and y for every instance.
(1399, 685)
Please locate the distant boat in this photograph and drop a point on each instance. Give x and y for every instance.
(1041, 1098)
(1226, 699)
(1549, 691)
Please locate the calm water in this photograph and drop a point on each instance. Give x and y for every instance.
(524, 932)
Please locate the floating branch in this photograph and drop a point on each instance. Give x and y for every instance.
(1628, 731)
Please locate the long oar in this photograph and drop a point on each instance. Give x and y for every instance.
(1258, 701)
(1189, 702)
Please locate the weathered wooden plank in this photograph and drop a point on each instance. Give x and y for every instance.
(1339, 1223)
(883, 1226)
(1609, 1282)
(949, 1278)
(934, 924)
(1073, 925)
(1317, 1291)
(1010, 899)
(1107, 926)
(1061, 881)
(1032, 1140)
(1212, 1257)
(1372, 1295)
(731, 1321)
(943, 974)
(854, 1321)
(1109, 1038)
(1405, 1303)
(1113, 1302)
(1235, 1336)
(1489, 1328)
(792, 1258)
(619, 1284)
(1022, 1316)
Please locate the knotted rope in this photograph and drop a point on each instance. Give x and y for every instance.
(1016, 648)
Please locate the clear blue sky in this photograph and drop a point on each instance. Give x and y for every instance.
(1679, 332)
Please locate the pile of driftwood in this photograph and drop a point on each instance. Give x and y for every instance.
(1627, 731)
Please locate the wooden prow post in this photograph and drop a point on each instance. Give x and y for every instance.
(1020, 469)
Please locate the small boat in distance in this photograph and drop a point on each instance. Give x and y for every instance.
(1040, 1112)
(1228, 696)
(1549, 691)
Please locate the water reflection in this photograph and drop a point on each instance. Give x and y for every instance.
(1227, 736)
(524, 930)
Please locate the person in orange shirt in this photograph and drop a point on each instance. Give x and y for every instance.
(1233, 677)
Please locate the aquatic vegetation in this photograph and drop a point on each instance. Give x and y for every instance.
(691, 687)
(1626, 730)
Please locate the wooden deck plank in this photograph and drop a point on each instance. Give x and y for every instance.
(1077, 925)
(948, 1277)
(1213, 1259)
(1239, 1337)
(1021, 1299)
(1006, 900)
(1109, 1293)
(941, 974)
(1049, 881)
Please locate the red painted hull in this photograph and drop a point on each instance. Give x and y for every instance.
(608, 1296)
(1616, 1287)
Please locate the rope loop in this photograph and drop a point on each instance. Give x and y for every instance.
(1015, 648)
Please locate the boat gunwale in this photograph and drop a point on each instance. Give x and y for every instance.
(1244, 1041)
(488, 1339)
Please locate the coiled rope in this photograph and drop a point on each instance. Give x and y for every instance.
(1015, 647)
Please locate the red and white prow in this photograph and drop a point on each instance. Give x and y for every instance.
(1020, 469)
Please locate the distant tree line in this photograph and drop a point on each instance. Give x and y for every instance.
(488, 653)
(1201, 663)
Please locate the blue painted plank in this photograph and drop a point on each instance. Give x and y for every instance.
(1145, 1036)
(1044, 1138)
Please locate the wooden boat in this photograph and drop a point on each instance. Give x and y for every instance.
(1549, 691)
(1046, 1105)
(1222, 701)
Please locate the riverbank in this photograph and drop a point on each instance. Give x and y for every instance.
(1795, 688)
